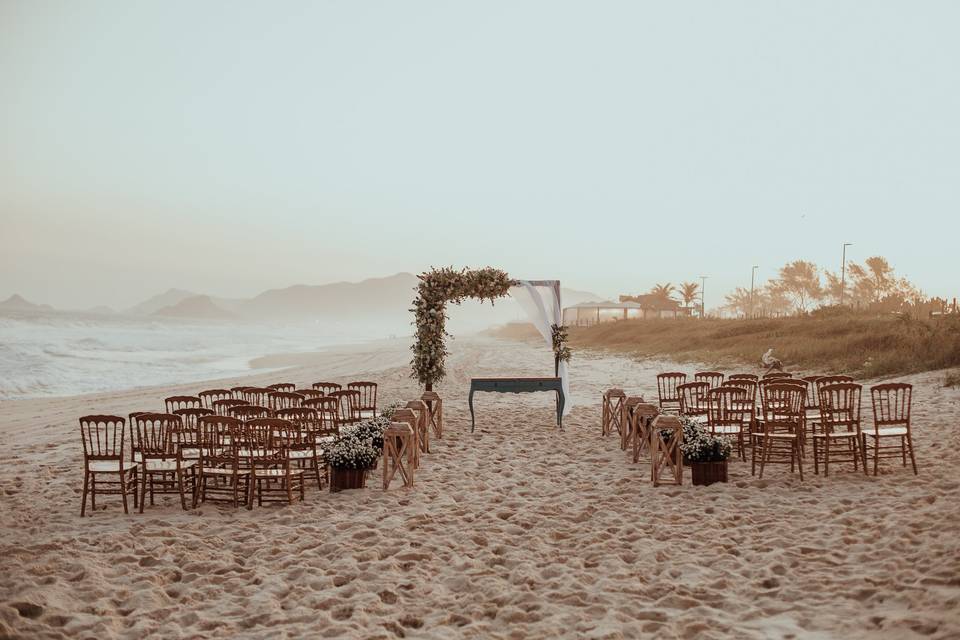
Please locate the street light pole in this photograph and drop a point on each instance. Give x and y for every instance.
(843, 271)
(753, 272)
(703, 285)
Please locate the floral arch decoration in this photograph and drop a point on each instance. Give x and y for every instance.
(439, 287)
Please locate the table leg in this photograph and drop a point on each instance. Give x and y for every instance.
(560, 402)
(473, 422)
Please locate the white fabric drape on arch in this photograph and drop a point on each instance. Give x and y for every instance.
(542, 304)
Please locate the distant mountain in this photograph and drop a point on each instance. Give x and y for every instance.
(16, 302)
(389, 295)
(169, 298)
(200, 307)
(101, 310)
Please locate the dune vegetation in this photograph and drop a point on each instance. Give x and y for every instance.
(866, 345)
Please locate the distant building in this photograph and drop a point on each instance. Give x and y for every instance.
(654, 306)
(629, 308)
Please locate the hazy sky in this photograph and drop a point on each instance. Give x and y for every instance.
(232, 147)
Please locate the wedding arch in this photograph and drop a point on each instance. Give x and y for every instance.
(439, 287)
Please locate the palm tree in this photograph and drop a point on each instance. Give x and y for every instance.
(663, 291)
(689, 292)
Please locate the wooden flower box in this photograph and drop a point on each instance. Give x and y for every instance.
(705, 473)
(341, 479)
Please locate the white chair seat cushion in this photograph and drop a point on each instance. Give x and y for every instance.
(888, 431)
(727, 429)
(110, 466)
(217, 471)
(167, 465)
(190, 453)
(301, 454)
(836, 434)
(277, 473)
(784, 436)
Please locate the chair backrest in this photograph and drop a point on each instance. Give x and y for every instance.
(783, 403)
(777, 374)
(238, 391)
(282, 386)
(326, 387)
(264, 440)
(327, 408)
(102, 437)
(766, 383)
(667, 384)
(188, 432)
(823, 381)
(348, 404)
(748, 386)
(133, 430)
(840, 406)
(299, 416)
(368, 394)
(156, 435)
(310, 393)
(249, 412)
(713, 378)
(743, 376)
(217, 432)
(891, 404)
(725, 406)
(693, 397)
(222, 407)
(284, 400)
(257, 396)
(813, 392)
(182, 402)
(210, 396)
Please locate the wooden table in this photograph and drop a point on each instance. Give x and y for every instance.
(517, 385)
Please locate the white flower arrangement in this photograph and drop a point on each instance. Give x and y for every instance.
(699, 445)
(358, 446)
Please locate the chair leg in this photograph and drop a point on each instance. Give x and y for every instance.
(136, 489)
(86, 482)
(826, 457)
(93, 492)
(876, 456)
(913, 460)
(863, 452)
(123, 492)
(183, 496)
(143, 490)
(799, 459)
(816, 458)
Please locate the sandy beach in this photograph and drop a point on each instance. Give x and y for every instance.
(514, 531)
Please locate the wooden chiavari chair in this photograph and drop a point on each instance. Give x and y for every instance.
(248, 412)
(839, 425)
(743, 376)
(284, 400)
(823, 381)
(163, 466)
(103, 457)
(347, 406)
(327, 387)
(748, 403)
(667, 384)
(309, 394)
(220, 461)
(327, 408)
(811, 406)
(186, 436)
(891, 421)
(182, 402)
(778, 439)
(272, 476)
(726, 407)
(770, 375)
(133, 431)
(713, 378)
(693, 400)
(257, 396)
(306, 452)
(222, 407)
(210, 396)
(282, 386)
(238, 391)
(367, 401)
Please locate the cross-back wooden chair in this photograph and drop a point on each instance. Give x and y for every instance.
(777, 440)
(248, 412)
(667, 384)
(367, 402)
(221, 476)
(327, 387)
(892, 403)
(348, 401)
(257, 396)
(273, 477)
(186, 436)
(222, 407)
(713, 378)
(837, 434)
(163, 469)
(693, 399)
(726, 407)
(282, 386)
(308, 453)
(182, 402)
(105, 469)
(284, 400)
(327, 408)
(210, 396)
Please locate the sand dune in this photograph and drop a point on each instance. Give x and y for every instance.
(515, 531)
